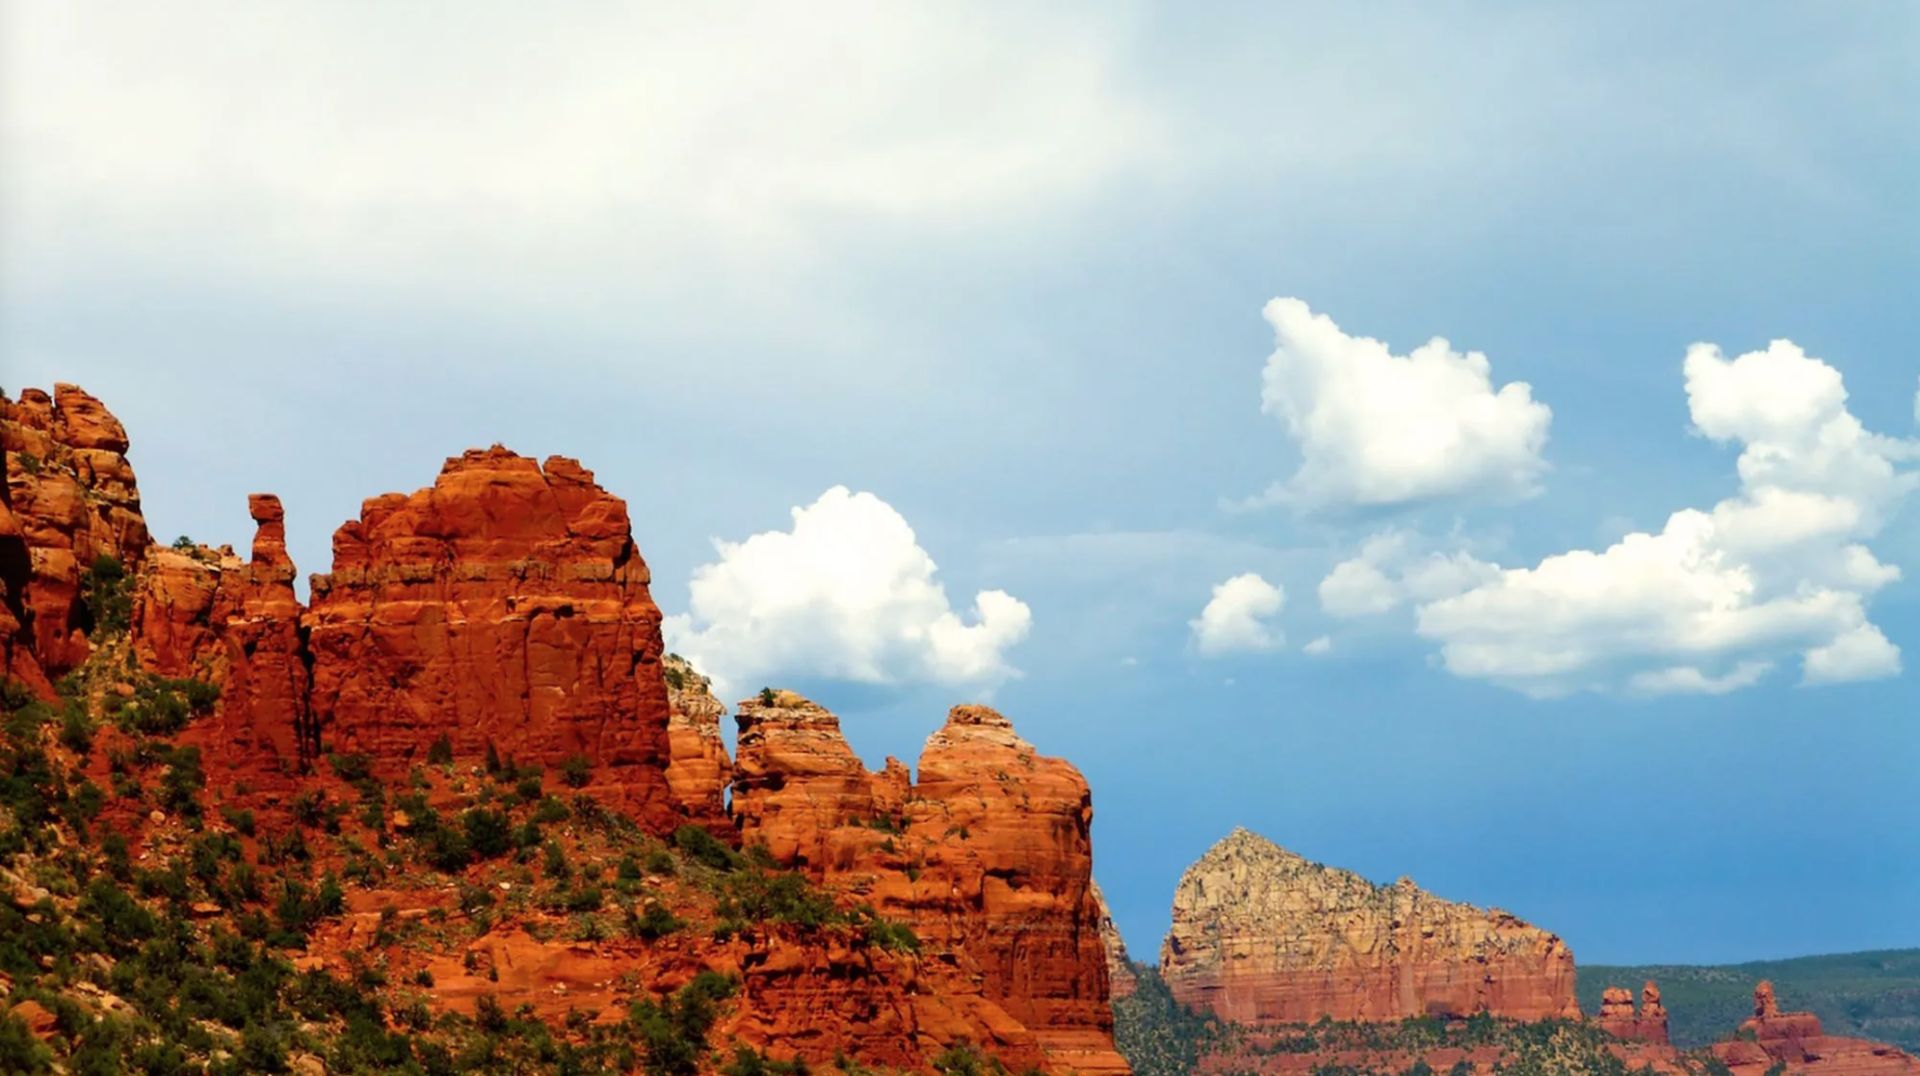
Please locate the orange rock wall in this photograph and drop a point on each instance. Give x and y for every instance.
(988, 857)
(70, 498)
(504, 605)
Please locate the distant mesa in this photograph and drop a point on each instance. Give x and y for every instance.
(1262, 936)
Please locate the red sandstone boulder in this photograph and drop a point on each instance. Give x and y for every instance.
(505, 605)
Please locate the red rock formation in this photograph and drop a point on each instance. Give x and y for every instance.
(1653, 1015)
(506, 605)
(1618, 1018)
(1796, 1040)
(1121, 982)
(697, 767)
(799, 789)
(1263, 936)
(206, 614)
(988, 857)
(70, 500)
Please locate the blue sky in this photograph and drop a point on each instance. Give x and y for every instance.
(1005, 271)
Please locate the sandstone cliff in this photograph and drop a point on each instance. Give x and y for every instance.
(1263, 936)
(504, 606)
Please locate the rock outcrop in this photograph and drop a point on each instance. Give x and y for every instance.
(698, 770)
(504, 606)
(1798, 1041)
(1263, 936)
(988, 857)
(70, 505)
(506, 609)
(1121, 981)
(1619, 1018)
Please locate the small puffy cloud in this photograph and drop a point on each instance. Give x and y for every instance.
(1379, 429)
(1861, 654)
(1319, 647)
(847, 593)
(1235, 619)
(1390, 569)
(1709, 602)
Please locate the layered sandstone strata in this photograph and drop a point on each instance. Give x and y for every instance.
(504, 606)
(70, 502)
(988, 857)
(1797, 1041)
(1263, 936)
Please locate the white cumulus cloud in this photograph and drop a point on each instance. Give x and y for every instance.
(1320, 647)
(1236, 617)
(847, 593)
(1706, 604)
(1392, 568)
(1377, 429)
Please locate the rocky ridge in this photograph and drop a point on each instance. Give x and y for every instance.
(503, 614)
(1263, 936)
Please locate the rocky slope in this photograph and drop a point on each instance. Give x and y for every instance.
(1263, 936)
(467, 780)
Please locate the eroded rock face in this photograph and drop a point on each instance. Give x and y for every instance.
(205, 614)
(1120, 978)
(504, 605)
(1263, 936)
(1798, 1041)
(988, 858)
(70, 500)
(698, 769)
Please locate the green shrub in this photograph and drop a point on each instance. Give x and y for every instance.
(447, 849)
(704, 848)
(351, 768)
(750, 1062)
(654, 923)
(440, 752)
(107, 593)
(489, 834)
(576, 771)
(19, 1051)
(673, 1031)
